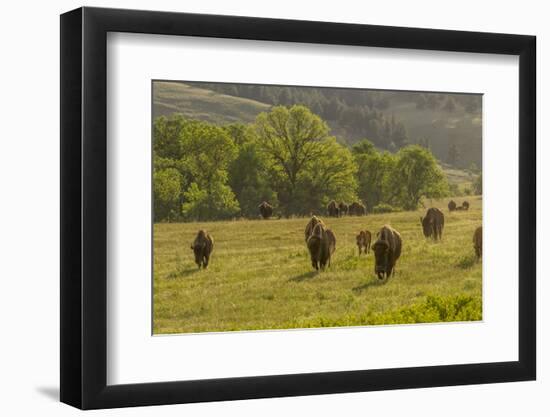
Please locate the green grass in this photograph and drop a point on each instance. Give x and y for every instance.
(260, 276)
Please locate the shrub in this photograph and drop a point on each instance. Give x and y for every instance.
(384, 208)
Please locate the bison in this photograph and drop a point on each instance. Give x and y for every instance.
(332, 209)
(432, 223)
(451, 205)
(321, 245)
(203, 247)
(387, 250)
(465, 205)
(363, 241)
(357, 209)
(311, 225)
(478, 242)
(266, 210)
(343, 207)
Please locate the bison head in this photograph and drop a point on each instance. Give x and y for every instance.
(426, 226)
(382, 265)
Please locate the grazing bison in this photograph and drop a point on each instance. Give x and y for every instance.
(266, 210)
(343, 207)
(478, 242)
(332, 209)
(311, 225)
(321, 245)
(465, 205)
(432, 223)
(452, 205)
(357, 209)
(387, 250)
(363, 241)
(202, 247)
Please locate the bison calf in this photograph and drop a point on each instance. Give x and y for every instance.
(363, 241)
(202, 247)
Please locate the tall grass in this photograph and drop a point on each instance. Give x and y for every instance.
(260, 276)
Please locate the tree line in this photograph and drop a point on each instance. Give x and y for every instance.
(287, 157)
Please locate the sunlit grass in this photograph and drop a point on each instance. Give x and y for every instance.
(260, 276)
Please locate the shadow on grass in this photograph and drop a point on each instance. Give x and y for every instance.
(182, 273)
(304, 276)
(372, 283)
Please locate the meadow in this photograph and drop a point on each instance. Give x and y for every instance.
(260, 275)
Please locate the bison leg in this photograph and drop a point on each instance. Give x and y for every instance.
(380, 275)
(359, 247)
(205, 261)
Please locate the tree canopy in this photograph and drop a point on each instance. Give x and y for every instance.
(287, 157)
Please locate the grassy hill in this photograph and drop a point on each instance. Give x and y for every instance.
(198, 103)
(260, 276)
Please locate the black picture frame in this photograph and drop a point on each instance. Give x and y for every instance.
(84, 207)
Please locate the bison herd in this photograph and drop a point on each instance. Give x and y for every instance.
(321, 240)
(342, 209)
(453, 207)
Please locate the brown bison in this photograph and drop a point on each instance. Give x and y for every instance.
(266, 210)
(465, 205)
(203, 247)
(311, 225)
(332, 209)
(357, 209)
(387, 250)
(432, 223)
(451, 205)
(321, 245)
(478, 242)
(343, 207)
(363, 241)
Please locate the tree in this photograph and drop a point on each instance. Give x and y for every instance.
(374, 170)
(166, 194)
(453, 155)
(478, 185)
(249, 178)
(399, 135)
(200, 153)
(290, 138)
(216, 202)
(450, 104)
(330, 176)
(416, 175)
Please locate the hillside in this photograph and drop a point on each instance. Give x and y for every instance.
(436, 126)
(198, 103)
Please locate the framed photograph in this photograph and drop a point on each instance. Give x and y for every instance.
(257, 208)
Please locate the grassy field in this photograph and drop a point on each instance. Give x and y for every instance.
(260, 276)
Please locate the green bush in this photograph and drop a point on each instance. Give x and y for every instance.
(384, 208)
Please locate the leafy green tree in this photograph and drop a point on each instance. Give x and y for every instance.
(249, 179)
(216, 202)
(201, 153)
(416, 175)
(374, 170)
(330, 176)
(166, 194)
(290, 138)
